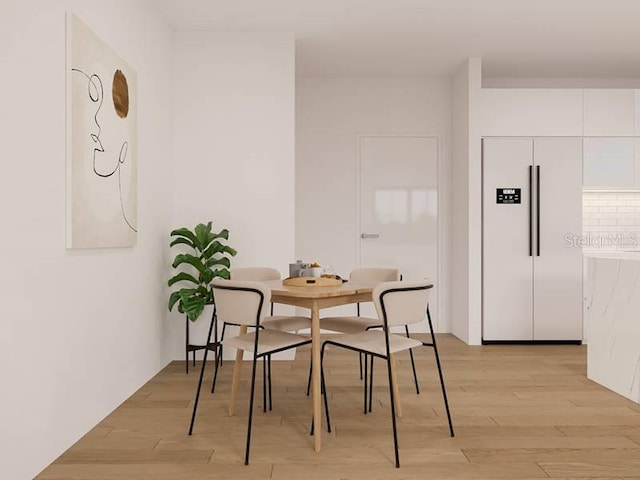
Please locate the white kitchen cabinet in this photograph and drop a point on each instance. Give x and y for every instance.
(610, 162)
(541, 112)
(609, 112)
(636, 130)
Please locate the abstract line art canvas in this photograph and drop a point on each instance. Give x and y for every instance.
(101, 143)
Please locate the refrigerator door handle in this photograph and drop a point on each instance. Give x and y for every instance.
(530, 210)
(538, 210)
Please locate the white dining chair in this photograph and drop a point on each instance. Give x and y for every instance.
(397, 303)
(357, 323)
(285, 323)
(245, 303)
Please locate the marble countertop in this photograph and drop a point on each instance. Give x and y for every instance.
(617, 254)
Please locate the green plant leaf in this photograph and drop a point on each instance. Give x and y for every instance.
(222, 234)
(173, 298)
(190, 260)
(207, 276)
(193, 305)
(182, 277)
(184, 232)
(222, 273)
(217, 247)
(182, 240)
(203, 235)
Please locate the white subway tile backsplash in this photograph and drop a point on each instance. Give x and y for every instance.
(611, 220)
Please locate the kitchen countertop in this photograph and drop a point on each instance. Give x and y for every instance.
(616, 254)
(613, 329)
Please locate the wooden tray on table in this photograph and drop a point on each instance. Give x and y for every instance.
(312, 281)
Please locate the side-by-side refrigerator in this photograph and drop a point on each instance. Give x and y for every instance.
(531, 227)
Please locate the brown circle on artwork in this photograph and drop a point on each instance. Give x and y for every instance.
(120, 94)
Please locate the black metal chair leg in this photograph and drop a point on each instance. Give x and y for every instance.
(224, 327)
(371, 384)
(204, 364)
(269, 381)
(217, 365)
(253, 388)
(413, 363)
(195, 404)
(444, 390)
(309, 379)
(194, 358)
(393, 413)
(366, 376)
(324, 391)
(220, 352)
(360, 366)
(264, 384)
(186, 345)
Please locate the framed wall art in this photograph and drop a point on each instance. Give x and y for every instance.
(101, 143)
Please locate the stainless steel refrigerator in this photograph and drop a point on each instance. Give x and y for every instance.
(531, 227)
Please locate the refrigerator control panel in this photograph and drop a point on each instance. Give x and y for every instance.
(508, 195)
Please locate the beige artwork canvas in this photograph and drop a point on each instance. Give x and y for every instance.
(101, 143)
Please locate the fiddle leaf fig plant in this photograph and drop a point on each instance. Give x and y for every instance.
(207, 258)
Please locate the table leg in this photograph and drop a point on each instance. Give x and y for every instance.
(237, 365)
(396, 390)
(315, 381)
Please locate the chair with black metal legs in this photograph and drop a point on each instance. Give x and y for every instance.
(358, 323)
(244, 303)
(285, 323)
(397, 303)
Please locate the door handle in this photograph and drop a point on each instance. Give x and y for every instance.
(530, 210)
(538, 210)
(370, 235)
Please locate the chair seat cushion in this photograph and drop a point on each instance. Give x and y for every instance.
(349, 324)
(286, 323)
(373, 341)
(269, 340)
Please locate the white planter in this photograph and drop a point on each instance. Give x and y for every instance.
(199, 330)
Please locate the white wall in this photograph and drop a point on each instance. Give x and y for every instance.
(466, 285)
(460, 205)
(234, 144)
(80, 330)
(330, 113)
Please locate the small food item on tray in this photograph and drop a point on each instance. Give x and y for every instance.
(332, 276)
(315, 265)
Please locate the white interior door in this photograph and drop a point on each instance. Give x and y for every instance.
(399, 208)
(558, 262)
(507, 256)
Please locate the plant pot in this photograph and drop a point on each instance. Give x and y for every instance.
(199, 330)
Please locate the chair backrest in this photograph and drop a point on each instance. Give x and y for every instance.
(241, 302)
(402, 303)
(374, 275)
(255, 274)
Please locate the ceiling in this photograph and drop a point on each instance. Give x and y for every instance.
(424, 38)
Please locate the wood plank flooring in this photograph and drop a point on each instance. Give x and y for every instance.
(520, 412)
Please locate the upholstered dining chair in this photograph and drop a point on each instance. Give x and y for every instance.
(245, 303)
(284, 323)
(397, 303)
(357, 323)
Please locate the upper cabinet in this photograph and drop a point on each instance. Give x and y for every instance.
(609, 112)
(530, 112)
(609, 162)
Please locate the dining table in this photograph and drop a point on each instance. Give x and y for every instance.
(315, 298)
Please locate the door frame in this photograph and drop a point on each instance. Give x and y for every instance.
(440, 240)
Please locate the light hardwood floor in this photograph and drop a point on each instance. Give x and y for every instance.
(520, 412)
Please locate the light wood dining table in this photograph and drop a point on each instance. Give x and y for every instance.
(314, 298)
